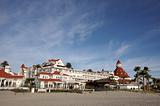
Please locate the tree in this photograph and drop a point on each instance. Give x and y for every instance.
(89, 70)
(68, 65)
(4, 63)
(137, 69)
(156, 83)
(36, 68)
(154, 80)
(44, 64)
(102, 70)
(30, 83)
(144, 74)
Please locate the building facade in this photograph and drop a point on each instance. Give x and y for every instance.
(53, 74)
(9, 79)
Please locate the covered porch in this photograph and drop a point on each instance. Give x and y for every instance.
(7, 83)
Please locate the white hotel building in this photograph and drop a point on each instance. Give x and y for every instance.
(54, 75)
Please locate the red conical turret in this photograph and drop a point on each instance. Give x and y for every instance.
(119, 71)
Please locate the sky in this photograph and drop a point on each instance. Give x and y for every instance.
(90, 34)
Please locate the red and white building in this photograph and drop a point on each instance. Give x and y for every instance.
(55, 80)
(120, 72)
(123, 78)
(53, 74)
(9, 79)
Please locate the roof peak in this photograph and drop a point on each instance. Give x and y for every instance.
(118, 62)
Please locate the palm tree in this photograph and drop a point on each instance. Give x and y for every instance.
(30, 83)
(154, 80)
(148, 82)
(142, 73)
(102, 70)
(38, 66)
(68, 65)
(89, 70)
(137, 69)
(4, 63)
(145, 75)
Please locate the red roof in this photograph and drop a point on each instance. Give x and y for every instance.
(51, 80)
(16, 76)
(59, 73)
(56, 73)
(51, 60)
(65, 74)
(46, 73)
(120, 72)
(3, 74)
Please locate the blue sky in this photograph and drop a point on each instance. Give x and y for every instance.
(88, 33)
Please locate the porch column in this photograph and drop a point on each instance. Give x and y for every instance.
(56, 85)
(53, 85)
(48, 85)
(65, 85)
(4, 83)
(0, 82)
(12, 83)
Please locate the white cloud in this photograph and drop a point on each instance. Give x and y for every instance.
(29, 38)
